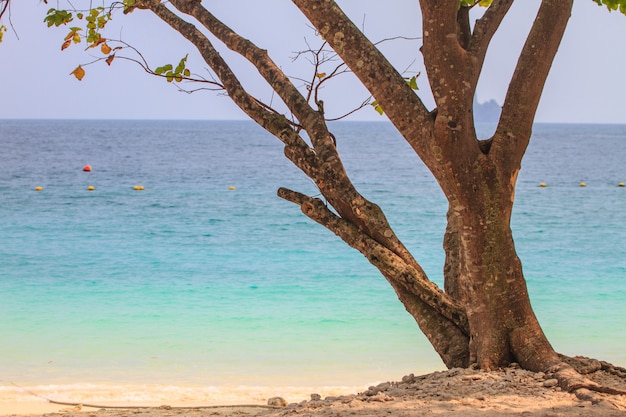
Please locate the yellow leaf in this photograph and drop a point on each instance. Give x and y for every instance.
(320, 75)
(79, 73)
(66, 44)
(106, 49)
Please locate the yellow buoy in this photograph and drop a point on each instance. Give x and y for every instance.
(543, 184)
(138, 188)
(232, 187)
(621, 184)
(583, 184)
(38, 188)
(91, 188)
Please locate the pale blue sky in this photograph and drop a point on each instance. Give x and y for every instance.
(585, 85)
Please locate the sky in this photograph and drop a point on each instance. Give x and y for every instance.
(585, 84)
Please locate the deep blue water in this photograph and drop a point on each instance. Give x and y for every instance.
(191, 282)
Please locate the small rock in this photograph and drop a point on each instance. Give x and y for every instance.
(277, 402)
(316, 397)
(380, 397)
(549, 383)
(383, 386)
(408, 379)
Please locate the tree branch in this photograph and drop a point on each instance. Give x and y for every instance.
(518, 112)
(464, 31)
(390, 265)
(444, 55)
(311, 120)
(403, 107)
(278, 125)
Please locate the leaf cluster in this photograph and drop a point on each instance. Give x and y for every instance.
(96, 21)
(613, 5)
(472, 3)
(174, 74)
(58, 17)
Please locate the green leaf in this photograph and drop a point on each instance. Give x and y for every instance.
(186, 73)
(472, 3)
(181, 65)
(613, 5)
(377, 107)
(58, 17)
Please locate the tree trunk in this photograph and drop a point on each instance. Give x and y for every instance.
(486, 278)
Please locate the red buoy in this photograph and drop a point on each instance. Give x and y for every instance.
(87, 168)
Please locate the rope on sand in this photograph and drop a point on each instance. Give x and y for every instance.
(79, 406)
(163, 407)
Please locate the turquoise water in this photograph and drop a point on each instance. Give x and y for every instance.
(191, 283)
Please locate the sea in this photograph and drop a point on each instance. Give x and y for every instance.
(203, 286)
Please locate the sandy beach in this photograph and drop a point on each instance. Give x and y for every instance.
(472, 393)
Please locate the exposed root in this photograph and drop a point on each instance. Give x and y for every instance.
(578, 375)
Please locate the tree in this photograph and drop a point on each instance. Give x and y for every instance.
(483, 315)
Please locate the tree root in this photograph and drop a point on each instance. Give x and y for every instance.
(576, 375)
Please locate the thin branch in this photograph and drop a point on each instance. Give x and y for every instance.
(375, 72)
(394, 38)
(293, 99)
(365, 103)
(4, 6)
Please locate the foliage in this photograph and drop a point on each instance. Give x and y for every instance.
(174, 74)
(613, 4)
(58, 17)
(2, 30)
(94, 21)
(472, 3)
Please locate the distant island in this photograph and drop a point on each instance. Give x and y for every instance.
(487, 112)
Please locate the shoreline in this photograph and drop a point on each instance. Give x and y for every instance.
(472, 393)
